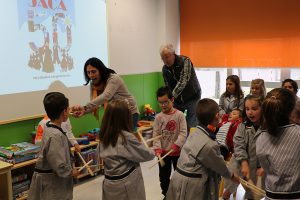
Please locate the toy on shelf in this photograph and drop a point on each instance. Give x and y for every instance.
(149, 113)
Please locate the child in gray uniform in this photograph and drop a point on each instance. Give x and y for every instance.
(52, 178)
(122, 154)
(278, 148)
(200, 163)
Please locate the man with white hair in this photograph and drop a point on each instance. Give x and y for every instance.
(179, 75)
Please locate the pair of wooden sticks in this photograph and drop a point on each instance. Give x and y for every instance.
(86, 165)
(257, 192)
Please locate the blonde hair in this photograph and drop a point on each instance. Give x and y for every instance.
(261, 84)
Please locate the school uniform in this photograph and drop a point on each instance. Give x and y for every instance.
(123, 175)
(227, 104)
(279, 156)
(52, 176)
(198, 168)
(244, 149)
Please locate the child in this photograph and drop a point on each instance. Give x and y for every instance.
(233, 97)
(258, 87)
(122, 153)
(295, 116)
(66, 126)
(200, 162)
(244, 160)
(278, 147)
(52, 178)
(171, 124)
(226, 131)
(292, 86)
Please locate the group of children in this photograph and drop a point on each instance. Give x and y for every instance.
(251, 129)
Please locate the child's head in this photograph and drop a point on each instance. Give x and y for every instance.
(253, 109)
(258, 87)
(295, 116)
(207, 112)
(117, 118)
(56, 106)
(290, 85)
(235, 115)
(277, 108)
(165, 99)
(233, 86)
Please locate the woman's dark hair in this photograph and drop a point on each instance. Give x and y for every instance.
(277, 108)
(238, 93)
(97, 63)
(117, 118)
(55, 103)
(293, 83)
(206, 111)
(258, 99)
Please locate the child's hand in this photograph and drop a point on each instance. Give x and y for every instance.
(235, 178)
(158, 152)
(77, 111)
(77, 148)
(245, 168)
(75, 173)
(175, 148)
(260, 171)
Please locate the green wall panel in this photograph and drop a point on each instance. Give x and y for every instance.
(142, 86)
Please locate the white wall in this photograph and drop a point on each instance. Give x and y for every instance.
(136, 30)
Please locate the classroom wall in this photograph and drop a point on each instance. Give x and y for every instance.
(136, 29)
(142, 86)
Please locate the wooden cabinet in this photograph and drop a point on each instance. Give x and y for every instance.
(5, 181)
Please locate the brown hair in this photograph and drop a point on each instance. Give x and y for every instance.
(276, 109)
(206, 111)
(258, 99)
(261, 84)
(238, 93)
(117, 118)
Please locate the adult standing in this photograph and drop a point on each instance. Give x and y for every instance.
(105, 85)
(179, 75)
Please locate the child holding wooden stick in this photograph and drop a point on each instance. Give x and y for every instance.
(122, 153)
(200, 163)
(278, 147)
(52, 178)
(171, 124)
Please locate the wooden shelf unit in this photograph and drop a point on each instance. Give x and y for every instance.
(6, 170)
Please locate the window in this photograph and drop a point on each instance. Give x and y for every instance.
(213, 80)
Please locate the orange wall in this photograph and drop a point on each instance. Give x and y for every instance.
(241, 33)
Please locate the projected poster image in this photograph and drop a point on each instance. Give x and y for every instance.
(49, 40)
(38, 19)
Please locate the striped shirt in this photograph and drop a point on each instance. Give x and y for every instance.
(279, 157)
(222, 134)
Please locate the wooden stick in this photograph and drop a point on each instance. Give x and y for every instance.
(161, 162)
(88, 168)
(143, 140)
(84, 166)
(161, 158)
(252, 187)
(78, 138)
(154, 138)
